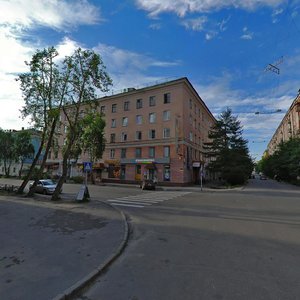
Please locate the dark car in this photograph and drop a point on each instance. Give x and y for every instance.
(262, 177)
(45, 186)
(148, 184)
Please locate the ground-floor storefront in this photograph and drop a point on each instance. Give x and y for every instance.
(163, 171)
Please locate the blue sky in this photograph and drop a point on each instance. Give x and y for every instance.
(222, 46)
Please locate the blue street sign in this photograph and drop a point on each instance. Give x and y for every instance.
(87, 166)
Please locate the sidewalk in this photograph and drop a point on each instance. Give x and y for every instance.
(52, 249)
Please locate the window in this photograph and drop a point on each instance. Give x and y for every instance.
(138, 135)
(152, 117)
(166, 133)
(113, 123)
(112, 137)
(191, 136)
(123, 153)
(102, 109)
(124, 137)
(166, 151)
(139, 103)
(139, 119)
(166, 115)
(112, 153)
(152, 101)
(138, 152)
(125, 122)
(152, 134)
(114, 108)
(167, 98)
(191, 104)
(151, 152)
(126, 105)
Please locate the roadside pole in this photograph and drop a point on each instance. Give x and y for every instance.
(83, 194)
(201, 178)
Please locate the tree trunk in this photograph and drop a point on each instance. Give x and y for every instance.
(21, 168)
(34, 163)
(62, 179)
(48, 146)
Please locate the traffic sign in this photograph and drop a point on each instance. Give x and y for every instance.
(87, 166)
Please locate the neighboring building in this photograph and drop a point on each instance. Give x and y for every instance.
(288, 128)
(153, 132)
(15, 167)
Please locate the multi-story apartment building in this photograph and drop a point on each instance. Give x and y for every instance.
(288, 128)
(152, 132)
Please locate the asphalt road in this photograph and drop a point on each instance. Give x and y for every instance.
(241, 244)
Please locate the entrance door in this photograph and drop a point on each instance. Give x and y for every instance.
(123, 172)
(151, 174)
(138, 171)
(196, 175)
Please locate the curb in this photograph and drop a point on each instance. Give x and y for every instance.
(79, 285)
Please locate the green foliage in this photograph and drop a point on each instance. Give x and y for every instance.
(228, 150)
(285, 162)
(83, 75)
(77, 179)
(7, 150)
(93, 141)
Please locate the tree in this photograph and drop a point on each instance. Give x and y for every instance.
(228, 149)
(83, 74)
(23, 148)
(43, 93)
(284, 162)
(7, 150)
(93, 141)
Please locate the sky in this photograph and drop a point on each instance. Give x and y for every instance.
(222, 46)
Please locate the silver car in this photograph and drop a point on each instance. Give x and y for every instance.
(45, 186)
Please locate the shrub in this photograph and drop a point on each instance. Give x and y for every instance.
(77, 179)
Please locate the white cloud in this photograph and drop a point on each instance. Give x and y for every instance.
(130, 69)
(50, 13)
(247, 35)
(17, 18)
(196, 24)
(121, 60)
(183, 7)
(66, 47)
(155, 26)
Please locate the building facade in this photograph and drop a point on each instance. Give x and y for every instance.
(288, 128)
(156, 132)
(16, 167)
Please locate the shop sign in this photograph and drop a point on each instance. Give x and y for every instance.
(145, 160)
(196, 164)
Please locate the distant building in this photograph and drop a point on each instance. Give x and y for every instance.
(152, 132)
(288, 128)
(15, 167)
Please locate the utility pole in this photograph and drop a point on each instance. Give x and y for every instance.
(274, 66)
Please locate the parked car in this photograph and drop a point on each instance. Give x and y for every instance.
(262, 177)
(45, 186)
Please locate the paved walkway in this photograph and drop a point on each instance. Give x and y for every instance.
(50, 249)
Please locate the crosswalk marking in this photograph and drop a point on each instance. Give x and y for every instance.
(145, 200)
(130, 202)
(129, 205)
